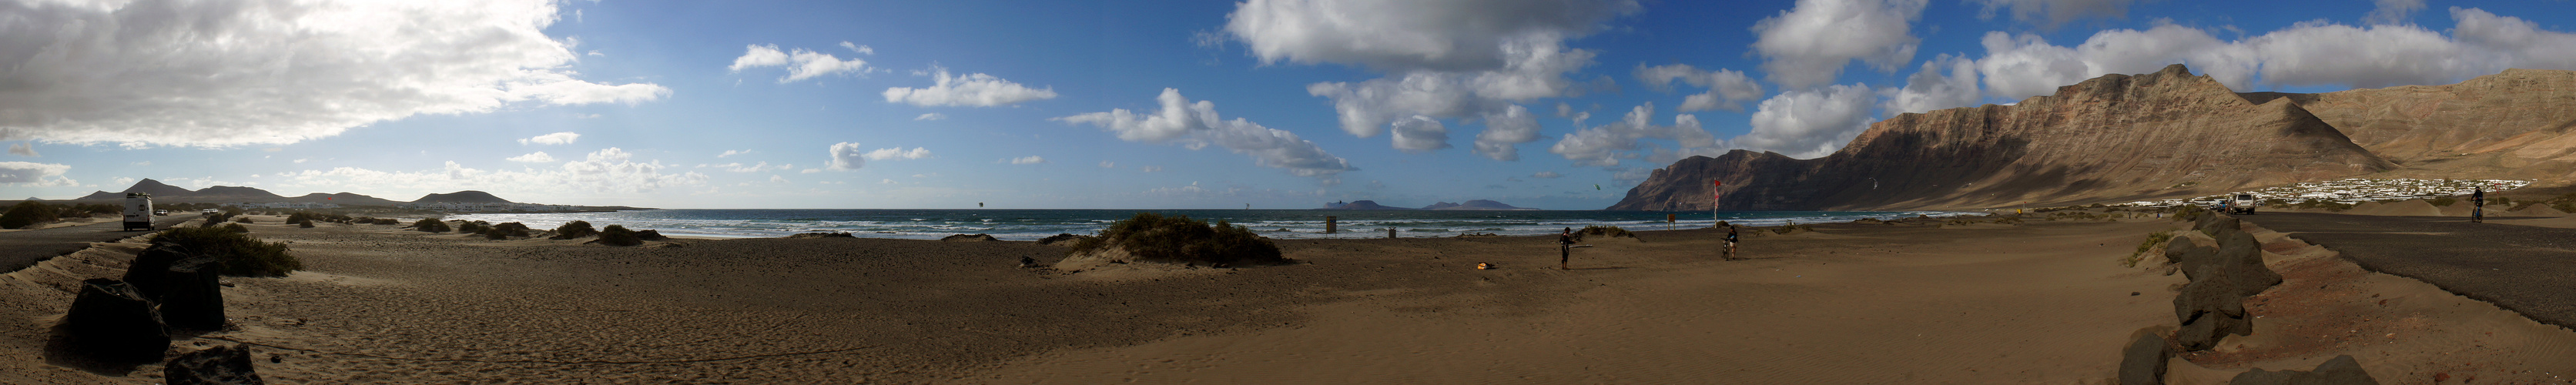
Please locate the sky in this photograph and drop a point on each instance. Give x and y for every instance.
(1282, 104)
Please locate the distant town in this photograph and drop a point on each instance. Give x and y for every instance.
(2356, 190)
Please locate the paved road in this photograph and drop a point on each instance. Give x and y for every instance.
(20, 249)
(2529, 270)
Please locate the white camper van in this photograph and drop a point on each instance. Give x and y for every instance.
(138, 211)
(2242, 204)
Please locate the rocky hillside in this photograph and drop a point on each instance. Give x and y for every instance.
(2112, 138)
(467, 196)
(2516, 124)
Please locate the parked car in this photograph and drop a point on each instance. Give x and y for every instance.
(160, 213)
(2243, 204)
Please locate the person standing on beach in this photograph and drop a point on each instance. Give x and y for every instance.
(1564, 248)
(2477, 204)
(1730, 242)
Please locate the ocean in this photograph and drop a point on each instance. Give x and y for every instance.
(1020, 225)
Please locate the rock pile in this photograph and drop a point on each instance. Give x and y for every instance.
(183, 285)
(2212, 306)
(220, 365)
(110, 321)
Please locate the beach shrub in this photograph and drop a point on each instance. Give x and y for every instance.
(242, 255)
(472, 227)
(2153, 239)
(242, 219)
(2188, 213)
(27, 213)
(307, 225)
(1148, 237)
(1605, 231)
(574, 229)
(615, 235)
(236, 227)
(388, 221)
(2444, 201)
(507, 231)
(430, 225)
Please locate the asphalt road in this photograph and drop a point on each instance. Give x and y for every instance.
(2520, 268)
(20, 249)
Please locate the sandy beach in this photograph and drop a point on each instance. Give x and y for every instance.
(1924, 301)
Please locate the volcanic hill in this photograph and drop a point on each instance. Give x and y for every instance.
(2111, 138)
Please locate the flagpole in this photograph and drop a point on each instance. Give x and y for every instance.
(1714, 192)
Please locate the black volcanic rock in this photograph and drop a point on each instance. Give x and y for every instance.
(467, 196)
(219, 365)
(111, 322)
(2111, 138)
(1364, 205)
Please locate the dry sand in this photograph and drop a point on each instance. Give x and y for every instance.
(2042, 302)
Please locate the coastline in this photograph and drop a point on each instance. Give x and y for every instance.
(1951, 300)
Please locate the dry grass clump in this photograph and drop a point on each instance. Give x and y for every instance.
(574, 229)
(1149, 237)
(2153, 239)
(241, 254)
(430, 225)
(507, 231)
(616, 235)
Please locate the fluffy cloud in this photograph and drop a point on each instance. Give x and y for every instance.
(237, 72)
(1546, 175)
(1606, 144)
(23, 149)
(1108, 164)
(2305, 54)
(30, 174)
(732, 153)
(2394, 11)
(978, 90)
(1933, 89)
(1808, 45)
(1445, 59)
(801, 64)
(1197, 124)
(1727, 89)
(1809, 123)
(898, 153)
(554, 138)
(1420, 134)
(846, 156)
(930, 116)
(534, 157)
(1032, 159)
(1504, 131)
(608, 171)
(2052, 13)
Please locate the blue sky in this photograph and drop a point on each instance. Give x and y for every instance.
(1103, 104)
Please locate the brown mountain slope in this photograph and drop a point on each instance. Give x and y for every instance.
(2114, 137)
(2515, 124)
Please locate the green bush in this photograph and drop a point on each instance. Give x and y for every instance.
(236, 227)
(472, 227)
(307, 225)
(1149, 237)
(574, 229)
(616, 235)
(244, 219)
(2444, 201)
(2188, 213)
(26, 214)
(2153, 239)
(1607, 231)
(507, 231)
(241, 254)
(430, 225)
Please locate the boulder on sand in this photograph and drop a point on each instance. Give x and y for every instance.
(2143, 362)
(2212, 306)
(219, 365)
(110, 321)
(193, 297)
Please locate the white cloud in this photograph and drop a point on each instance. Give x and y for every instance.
(30, 174)
(276, 71)
(1150, 169)
(1546, 175)
(801, 63)
(1810, 44)
(978, 90)
(24, 149)
(554, 138)
(298, 161)
(2394, 11)
(1931, 89)
(1444, 59)
(733, 152)
(738, 167)
(608, 171)
(1727, 89)
(861, 49)
(1197, 124)
(1420, 134)
(1032, 159)
(1605, 145)
(898, 153)
(124, 181)
(2305, 54)
(2053, 13)
(1504, 131)
(1809, 123)
(534, 157)
(1108, 164)
(774, 178)
(887, 181)
(930, 116)
(846, 156)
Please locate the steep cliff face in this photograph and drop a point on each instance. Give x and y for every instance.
(2109, 138)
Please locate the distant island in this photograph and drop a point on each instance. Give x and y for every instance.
(254, 198)
(1478, 204)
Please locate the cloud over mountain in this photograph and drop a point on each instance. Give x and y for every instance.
(1197, 124)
